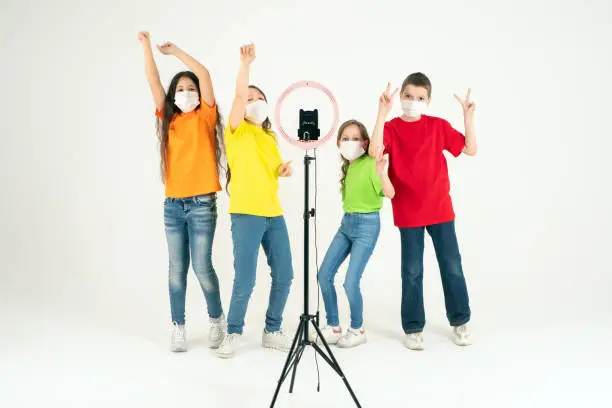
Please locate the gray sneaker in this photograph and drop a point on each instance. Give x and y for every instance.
(216, 334)
(276, 340)
(178, 340)
(462, 335)
(414, 341)
(227, 349)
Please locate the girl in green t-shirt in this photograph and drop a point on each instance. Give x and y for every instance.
(364, 183)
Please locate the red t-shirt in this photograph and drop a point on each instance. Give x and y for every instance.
(418, 170)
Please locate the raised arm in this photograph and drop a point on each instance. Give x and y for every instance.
(159, 95)
(206, 89)
(382, 165)
(469, 107)
(247, 56)
(384, 107)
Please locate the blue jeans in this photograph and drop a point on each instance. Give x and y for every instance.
(248, 233)
(453, 282)
(357, 236)
(190, 228)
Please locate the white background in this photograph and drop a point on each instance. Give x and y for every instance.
(83, 282)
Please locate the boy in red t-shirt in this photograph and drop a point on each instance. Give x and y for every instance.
(418, 170)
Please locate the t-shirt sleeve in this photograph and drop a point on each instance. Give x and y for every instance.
(388, 132)
(454, 141)
(209, 113)
(375, 179)
(230, 136)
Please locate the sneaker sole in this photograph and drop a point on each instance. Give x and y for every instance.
(419, 348)
(179, 350)
(214, 344)
(277, 348)
(340, 345)
(329, 343)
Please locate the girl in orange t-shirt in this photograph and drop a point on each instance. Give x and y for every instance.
(190, 135)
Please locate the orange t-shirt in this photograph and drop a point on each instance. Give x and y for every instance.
(191, 160)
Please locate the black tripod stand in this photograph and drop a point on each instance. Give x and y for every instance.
(301, 340)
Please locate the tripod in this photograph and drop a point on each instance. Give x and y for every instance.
(301, 339)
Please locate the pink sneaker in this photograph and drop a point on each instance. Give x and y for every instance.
(332, 334)
(353, 338)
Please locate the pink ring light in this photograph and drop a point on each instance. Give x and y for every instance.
(299, 143)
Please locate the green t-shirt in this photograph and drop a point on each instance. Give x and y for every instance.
(362, 187)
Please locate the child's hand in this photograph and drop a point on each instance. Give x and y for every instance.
(386, 100)
(247, 54)
(284, 170)
(145, 38)
(382, 161)
(468, 106)
(168, 48)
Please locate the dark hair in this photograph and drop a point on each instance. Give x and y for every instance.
(169, 110)
(266, 125)
(418, 79)
(364, 136)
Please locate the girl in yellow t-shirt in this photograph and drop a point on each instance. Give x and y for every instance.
(257, 217)
(190, 135)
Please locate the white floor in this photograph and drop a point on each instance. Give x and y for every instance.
(48, 358)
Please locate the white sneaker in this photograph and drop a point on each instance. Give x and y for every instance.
(414, 341)
(276, 340)
(178, 340)
(462, 335)
(216, 334)
(352, 338)
(331, 334)
(227, 349)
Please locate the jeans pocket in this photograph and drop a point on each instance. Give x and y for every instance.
(208, 201)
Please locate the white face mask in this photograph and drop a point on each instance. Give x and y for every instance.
(413, 108)
(186, 100)
(351, 149)
(257, 111)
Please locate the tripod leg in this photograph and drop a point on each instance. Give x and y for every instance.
(290, 356)
(297, 361)
(336, 367)
(331, 360)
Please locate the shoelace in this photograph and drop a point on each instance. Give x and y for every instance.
(218, 328)
(179, 333)
(416, 337)
(228, 339)
(353, 332)
(462, 331)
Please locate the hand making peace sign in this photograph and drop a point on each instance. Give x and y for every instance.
(468, 106)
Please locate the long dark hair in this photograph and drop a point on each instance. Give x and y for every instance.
(163, 125)
(266, 125)
(364, 136)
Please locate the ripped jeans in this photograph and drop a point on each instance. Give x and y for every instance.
(190, 230)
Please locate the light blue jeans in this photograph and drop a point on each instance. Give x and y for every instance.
(357, 236)
(249, 232)
(190, 230)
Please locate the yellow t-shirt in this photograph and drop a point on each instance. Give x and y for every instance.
(191, 160)
(253, 158)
